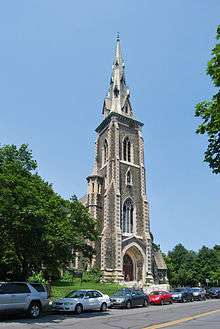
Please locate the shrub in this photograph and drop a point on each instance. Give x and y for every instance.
(37, 277)
(92, 275)
(66, 277)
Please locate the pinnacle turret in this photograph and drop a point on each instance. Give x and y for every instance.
(117, 99)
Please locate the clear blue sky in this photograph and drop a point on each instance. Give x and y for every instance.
(55, 65)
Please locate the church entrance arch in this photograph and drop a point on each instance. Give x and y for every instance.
(128, 268)
(133, 263)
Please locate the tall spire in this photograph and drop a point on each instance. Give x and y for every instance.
(117, 99)
(118, 55)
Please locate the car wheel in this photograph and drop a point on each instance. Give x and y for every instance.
(128, 304)
(78, 309)
(145, 304)
(170, 301)
(184, 300)
(162, 302)
(103, 307)
(34, 310)
(192, 299)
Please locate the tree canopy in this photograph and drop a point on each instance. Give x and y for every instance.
(186, 267)
(209, 112)
(39, 229)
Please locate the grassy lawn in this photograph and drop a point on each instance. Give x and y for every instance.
(61, 289)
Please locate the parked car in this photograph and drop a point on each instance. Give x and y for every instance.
(182, 295)
(198, 293)
(214, 292)
(207, 295)
(23, 297)
(129, 298)
(160, 297)
(81, 300)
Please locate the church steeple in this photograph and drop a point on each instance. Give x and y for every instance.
(116, 195)
(117, 99)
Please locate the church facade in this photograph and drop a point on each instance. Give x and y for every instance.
(116, 194)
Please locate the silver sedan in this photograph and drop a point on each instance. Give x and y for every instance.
(80, 300)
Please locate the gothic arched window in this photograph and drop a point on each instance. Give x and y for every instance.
(127, 150)
(128, 217)
(105, 150)
(128, 178)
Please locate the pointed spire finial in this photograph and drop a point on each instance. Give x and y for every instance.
(118, 56)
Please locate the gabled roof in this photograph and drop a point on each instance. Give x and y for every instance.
(83, 200)
(159, 260)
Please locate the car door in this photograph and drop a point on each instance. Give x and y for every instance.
(89, 301)
(188, 293)
(165, 296)
(141, 297)
(13, 301)
(19, 296)
(136, 298)
(98, 299)
(5, 297)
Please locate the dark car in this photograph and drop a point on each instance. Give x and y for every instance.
(199, 293)
(214, 292)
(129, 298)
(182, 295)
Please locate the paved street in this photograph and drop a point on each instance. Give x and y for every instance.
(205, 315)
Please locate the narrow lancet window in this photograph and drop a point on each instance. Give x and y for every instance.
(128, 217)
(128, 178)
(105, 157)
(127, 150)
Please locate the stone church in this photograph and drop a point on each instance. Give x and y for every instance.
(116, 194)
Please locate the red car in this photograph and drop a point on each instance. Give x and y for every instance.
(160, 297)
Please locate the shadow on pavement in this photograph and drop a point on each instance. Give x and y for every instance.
(51, 317)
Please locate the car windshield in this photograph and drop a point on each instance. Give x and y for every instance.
(122, 293)
(155, 293)
(76, 294)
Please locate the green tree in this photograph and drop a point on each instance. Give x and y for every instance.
(209, 112)
(215, 275)
(181, 266)
(186, 267)
(39, 229)
(207, 263)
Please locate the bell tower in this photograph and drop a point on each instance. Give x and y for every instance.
(117, 187)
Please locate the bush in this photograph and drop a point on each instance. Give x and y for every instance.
(92, 275)
(37, 277)
(66, 277)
